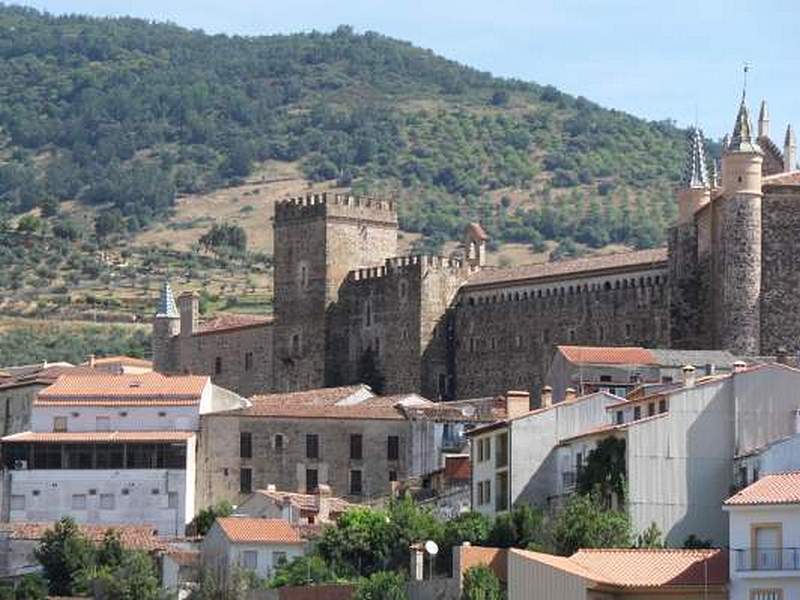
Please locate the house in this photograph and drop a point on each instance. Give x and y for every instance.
(255, 544)
(515, 459)
(618, 370)
(110, 449)
(765, 539)
(779, 456)
(319, 507)
(680, 442)
(610, 574)
(180, 570)
(348, 438)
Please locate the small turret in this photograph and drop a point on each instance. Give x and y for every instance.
(166, 326)
(790, 151)
(475, 239)
(166, 303)
(763, 121)
(742, 158)
(695, 191)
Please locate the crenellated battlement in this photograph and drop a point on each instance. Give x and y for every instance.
(336, 205)
(405, 265)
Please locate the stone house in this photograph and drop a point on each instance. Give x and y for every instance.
(304, 509)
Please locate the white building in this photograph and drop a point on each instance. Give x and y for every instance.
(765, 539)
(115, 449)
(253, 544)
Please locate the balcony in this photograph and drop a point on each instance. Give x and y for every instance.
(767, 559)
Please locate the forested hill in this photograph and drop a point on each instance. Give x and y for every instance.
(132, 112)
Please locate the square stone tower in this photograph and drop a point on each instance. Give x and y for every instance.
(319, 239)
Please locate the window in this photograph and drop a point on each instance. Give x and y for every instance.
(245, 480)
(312, 481)
(501, 497)
(662, 405)
(442, 385)
(47, 456)
(484, 449)
(59, 424)
(312, 446)
(355, 482)
(17, 502)
(218, 365)
(485, 492)
(303, 277)
(392, 476)
(278, 558)
(637, 413)
(79, 456)
(279, 442)
(651, 409)
(605, 378)
(102, 424)
(248, 361)
(245, 444)
(107, 501)
(766, 541)
(249, 560)
(172, 500)
(393, 447)
(78, 501)
(356, 443)
(620, 417)
(501, 456)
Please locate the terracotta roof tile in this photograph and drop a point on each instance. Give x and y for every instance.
(254, 530)
(792, 178)
(782, 488)
(98, 436)
(305, 502)
(144, 388)
(642, 568)
(134, 537)
(608, 355)
(122, 360)
(47, 375)
(228, 322)
(640, 259)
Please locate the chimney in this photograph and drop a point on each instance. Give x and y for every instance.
(570, 394)
(517, 403)
(782, 356)
(91, 361)
(739, 366)
(417, 566)
(688, 376)
(323, 503)
(546, 398)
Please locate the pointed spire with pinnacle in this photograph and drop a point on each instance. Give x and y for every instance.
(166, 303)
(742, 137)
(763, 121)
(790, 151)
(696, 174)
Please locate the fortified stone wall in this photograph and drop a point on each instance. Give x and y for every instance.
(685, 308)
(505, 339)
(780, 275)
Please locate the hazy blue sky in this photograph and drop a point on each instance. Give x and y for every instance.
(668, 59)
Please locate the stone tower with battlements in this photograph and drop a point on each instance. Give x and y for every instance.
(319, 239)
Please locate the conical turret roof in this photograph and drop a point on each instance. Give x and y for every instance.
(742, 137)
(696, 171)
(166, 302)
(790, 138)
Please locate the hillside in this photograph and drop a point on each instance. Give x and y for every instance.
(130, 138)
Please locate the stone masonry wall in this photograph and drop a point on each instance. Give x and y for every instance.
(506, 339)
(220, 452)
(780, 275)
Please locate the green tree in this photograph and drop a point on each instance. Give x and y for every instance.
(382, 585)
(204, 519)
(694, 542)
(480, 583)
(585, 522)
(134, 578)
(63, 553)
(522, 527)
(303, 570)
(109, 222)
(472, 527)
(604, 471)
(360, 544)
(650, 537)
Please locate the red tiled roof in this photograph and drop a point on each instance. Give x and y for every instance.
(792, 178)
(624, 260)
(121, 360)
(782, 488)
(189, 558)
(641, 568)
(229, 322)
(305, 502)
(134, 537)
(144, 388)
(608, 355)
(46, 376)
(98, 436)
(254, 530)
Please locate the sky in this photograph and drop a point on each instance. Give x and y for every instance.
(674, 59)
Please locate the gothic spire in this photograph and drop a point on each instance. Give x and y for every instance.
(790, 138)
(696, 173)
(166, 302)
(763, 120)
(742, 137)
